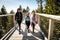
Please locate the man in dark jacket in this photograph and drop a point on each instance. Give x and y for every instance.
(18, 18)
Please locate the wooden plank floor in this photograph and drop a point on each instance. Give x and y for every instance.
(25, 35)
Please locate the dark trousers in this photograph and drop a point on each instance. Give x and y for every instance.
(28, 24)
(33, 26)
(19, 23)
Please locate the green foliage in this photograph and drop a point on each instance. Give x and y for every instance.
(51, 7)
(33, 11)
(6, 22)
(56, 32)
(3, 10)
(12, 12)
(38, 10)
(24, 11)
(3, 20)
(44, 25)
(57, 2)
(40, 7)
(10, 23)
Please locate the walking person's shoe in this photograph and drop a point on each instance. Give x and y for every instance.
(20, 31)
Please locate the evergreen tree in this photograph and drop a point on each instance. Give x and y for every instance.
(38, 10)
(3, 10)
(11, 12)
(33, 11)
(27, 9)
(57, 7)
(24, 11)
(57, 2)
(40, 7)
(4, 19)
(20, 7)
(52, 7)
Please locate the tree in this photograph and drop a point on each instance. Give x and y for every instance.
(3, 10)
(57, 2)
(27, 9)
(49, 7)
(11, 12)
(33, 11)
(4, 19)
(38, 10)
(39, 2)
(24, 10)
(20, 7)
(52, 7)
(57, 7)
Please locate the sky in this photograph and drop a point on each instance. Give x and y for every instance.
(14, 4)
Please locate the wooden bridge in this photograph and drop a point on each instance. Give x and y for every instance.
(13, 34)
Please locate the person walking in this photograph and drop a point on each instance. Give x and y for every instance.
(27, 21)
(18, 18)
(34, 20)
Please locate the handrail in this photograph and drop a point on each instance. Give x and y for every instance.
(51, 23)
(51, 18)
(55, 17)
(7, 15)
(4, 37)
(11, 30)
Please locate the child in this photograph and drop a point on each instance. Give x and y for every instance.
(27, 21)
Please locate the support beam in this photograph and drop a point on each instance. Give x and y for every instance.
(38, 18)
(14, 20)
(51, 26)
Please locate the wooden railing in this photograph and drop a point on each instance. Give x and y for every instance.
(9, 33)
(51, 23)
(6, 36)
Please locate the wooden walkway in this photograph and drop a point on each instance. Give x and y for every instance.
(25, 35)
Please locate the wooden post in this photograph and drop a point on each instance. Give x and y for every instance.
(51, 26)
(39, 19)
(14, 20)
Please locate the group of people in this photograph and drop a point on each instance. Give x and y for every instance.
(28, 20)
